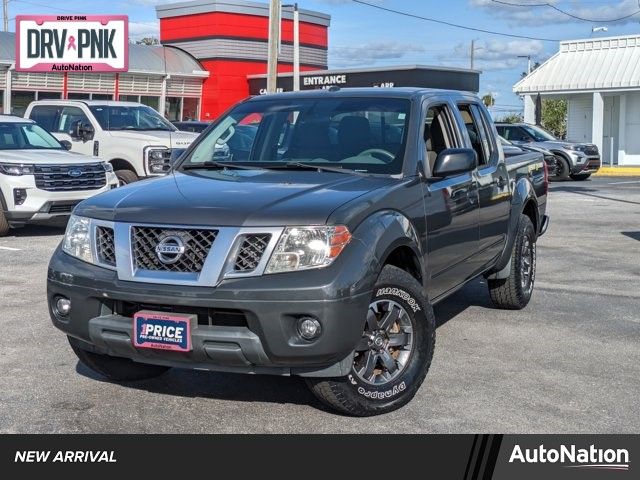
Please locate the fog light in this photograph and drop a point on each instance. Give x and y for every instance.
(19, 195)
(63, 306)
(309, 328)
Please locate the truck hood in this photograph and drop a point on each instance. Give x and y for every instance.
(252, 198)
(45, 157)
(557, 145)
(156, 137)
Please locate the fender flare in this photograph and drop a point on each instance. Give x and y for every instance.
(384, 231)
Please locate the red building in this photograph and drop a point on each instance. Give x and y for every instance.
(229, 38)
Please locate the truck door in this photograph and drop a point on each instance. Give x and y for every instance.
(451, 206)
(66, 129)
(493, 184)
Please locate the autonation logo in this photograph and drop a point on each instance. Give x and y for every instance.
(573, 457)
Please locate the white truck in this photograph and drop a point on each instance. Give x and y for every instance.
(40, 180)
(135, 139)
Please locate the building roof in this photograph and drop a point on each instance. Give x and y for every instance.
(236, 6)
(586, 65)
(142, 58)
(393, 68)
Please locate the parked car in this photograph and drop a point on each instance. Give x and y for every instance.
(40, 181)
(132, 137)
(191, 126)
(316, 255)
(576, 160)
(511, 150)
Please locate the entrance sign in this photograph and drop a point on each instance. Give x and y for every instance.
(76, 43)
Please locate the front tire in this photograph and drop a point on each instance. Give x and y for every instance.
(563, 169)
(579, 177)
(115, 368)
(514, 292)
(4, 224)
(393, 357)
(125, 177)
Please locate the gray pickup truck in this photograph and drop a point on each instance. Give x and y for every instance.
(317, 248)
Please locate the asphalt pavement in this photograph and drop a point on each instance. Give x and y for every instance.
(568, 363)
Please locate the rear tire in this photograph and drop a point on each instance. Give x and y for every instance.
(514, 292)
(115, 368)
(393, 357)
(125, 177)
(579, 177)
(4, 224)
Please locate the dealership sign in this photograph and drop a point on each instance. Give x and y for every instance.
(76, 43)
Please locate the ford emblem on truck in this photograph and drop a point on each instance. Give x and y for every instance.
(170, 249)
(75, 172)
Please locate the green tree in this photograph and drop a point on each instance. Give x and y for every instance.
(511, 118)
(148, 41)
(554, 116)
(488, 100)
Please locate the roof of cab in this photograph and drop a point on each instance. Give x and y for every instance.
(14, 119)
(104, 103)
(394, 92)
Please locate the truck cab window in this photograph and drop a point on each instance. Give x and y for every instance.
(477, 131)
(69, 117)
(438, 134)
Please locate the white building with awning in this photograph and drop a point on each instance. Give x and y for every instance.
(600, 79)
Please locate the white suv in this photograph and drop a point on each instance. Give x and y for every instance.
(40, 180)
(134, 138)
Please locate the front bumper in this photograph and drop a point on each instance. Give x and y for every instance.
(582, 163)
(268, 342)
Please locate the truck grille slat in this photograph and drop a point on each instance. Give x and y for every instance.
(56, 178)
(197, 244)
(105, 245)
(251, 251)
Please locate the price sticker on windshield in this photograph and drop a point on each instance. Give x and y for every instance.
(72, 43)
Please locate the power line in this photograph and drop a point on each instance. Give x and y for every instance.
(568, 14)
(42, 5)
(450, 24)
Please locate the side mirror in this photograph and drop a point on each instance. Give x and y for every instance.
(66, 144)
(454, 161)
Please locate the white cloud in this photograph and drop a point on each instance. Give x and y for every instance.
(542, 15)
(501, 54)
(369, 53)
(139, 30)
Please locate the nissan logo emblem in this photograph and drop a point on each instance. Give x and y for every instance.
(170, 249)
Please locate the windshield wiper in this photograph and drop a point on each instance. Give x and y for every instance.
(210, 164)
(310, 166)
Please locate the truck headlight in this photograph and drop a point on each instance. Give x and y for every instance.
(107, 167)
(77, 238)
(158, 160)
(302, 248)
(16, 169)
(575, 148)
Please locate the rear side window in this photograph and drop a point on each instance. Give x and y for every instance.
(478, 131)
(46, 116)
(514, 134)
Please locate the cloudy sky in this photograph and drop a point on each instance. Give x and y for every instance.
(362, 35)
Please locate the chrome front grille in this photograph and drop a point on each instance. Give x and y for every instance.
(105, 245)
(56, 178)
(251, 251)
(196, 245)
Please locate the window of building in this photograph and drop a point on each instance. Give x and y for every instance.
(1, 101)
(172, 108)
(78, 96)
(153, 102)
(20, 101)
(190, 109)
(101, 96)
(129, 98)
(49, 95)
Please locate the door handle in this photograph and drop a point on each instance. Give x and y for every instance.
(500, 182)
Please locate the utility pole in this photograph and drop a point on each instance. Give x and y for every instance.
(473, 52)
(274, 43)
(5, 13)
(296, 45)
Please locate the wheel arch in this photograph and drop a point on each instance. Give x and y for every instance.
(122, 164)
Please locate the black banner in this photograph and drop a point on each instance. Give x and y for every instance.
(466, 457)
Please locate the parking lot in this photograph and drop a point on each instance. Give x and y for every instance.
(569, 362)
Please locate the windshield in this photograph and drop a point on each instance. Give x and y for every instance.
(121, 117)
(539, 134)
(363, 134)
(22, 136)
